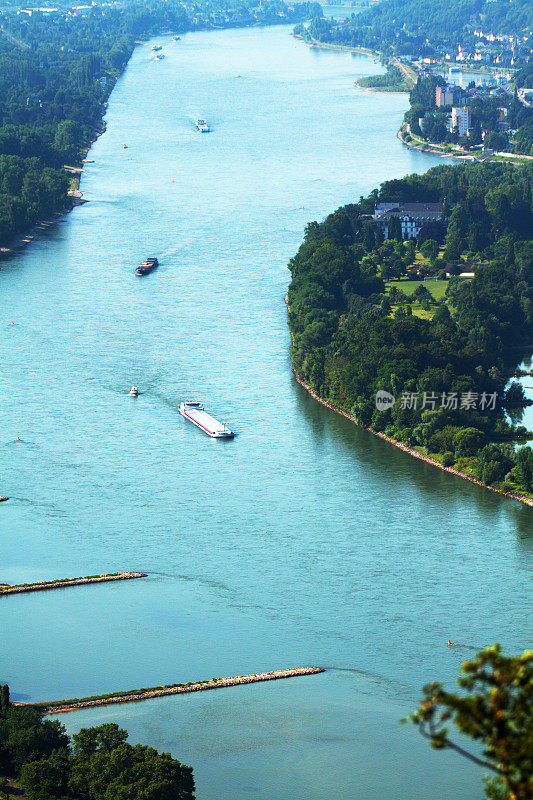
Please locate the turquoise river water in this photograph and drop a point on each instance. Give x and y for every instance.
(303, 541)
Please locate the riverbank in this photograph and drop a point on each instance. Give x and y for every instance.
(411, 451)
(435, 149)
(136, 695)
(75, 194)
(63, 583)
(414, 143)
(310, 42)
(409, 74)
(41, 227)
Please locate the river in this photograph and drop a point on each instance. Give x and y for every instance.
(303, 541)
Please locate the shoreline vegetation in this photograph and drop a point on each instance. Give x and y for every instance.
(423, 146)
(409, 450)
(63, 583)
(76, 198)
(136, 695)
(399, 76)
(39, 761)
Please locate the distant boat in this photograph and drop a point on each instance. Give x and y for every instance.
(160, 57)
(202, 126)
(176, 38)
(157, 47)
(147, 266)
(134, 392)
(125, 146)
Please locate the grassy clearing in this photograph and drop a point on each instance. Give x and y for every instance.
(422, 313)
(435, 287)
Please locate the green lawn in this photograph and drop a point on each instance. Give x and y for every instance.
(437, 288)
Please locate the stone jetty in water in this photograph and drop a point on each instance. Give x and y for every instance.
(63, 583)
(77, 704)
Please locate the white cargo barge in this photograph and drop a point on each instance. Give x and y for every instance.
(194, 412)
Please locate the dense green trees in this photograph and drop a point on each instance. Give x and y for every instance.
(447, 361)
(407, 25)
(99, 764)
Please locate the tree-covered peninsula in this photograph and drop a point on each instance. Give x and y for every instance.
(363, 319)
(58, 67)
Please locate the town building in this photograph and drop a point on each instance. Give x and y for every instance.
(447, 96)
(413, 216)
(461, 120)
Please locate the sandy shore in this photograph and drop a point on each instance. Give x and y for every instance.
(61, 707)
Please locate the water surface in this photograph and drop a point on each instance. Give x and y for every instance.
(305, 540)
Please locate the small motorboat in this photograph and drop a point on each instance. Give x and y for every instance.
(125, 146)
(134, 392)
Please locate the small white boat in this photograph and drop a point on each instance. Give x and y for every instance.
(134, 392)
(202, 126)
(194, 412)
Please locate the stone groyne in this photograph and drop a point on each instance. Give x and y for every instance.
(76, 704)
(62, 583)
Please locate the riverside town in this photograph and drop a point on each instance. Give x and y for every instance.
(307, 229)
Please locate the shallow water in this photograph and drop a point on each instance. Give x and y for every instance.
(305, 540)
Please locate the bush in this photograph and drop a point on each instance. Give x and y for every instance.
(448, 459)
(468, 441)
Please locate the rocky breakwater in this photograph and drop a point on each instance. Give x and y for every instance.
(62, 583)
(76, 704)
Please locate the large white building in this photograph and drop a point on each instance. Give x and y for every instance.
(413, 216)
(461, 120)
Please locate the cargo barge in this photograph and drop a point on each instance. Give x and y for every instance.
(194, 412)
(147, 266)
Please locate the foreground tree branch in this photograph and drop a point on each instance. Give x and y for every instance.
(496, 709)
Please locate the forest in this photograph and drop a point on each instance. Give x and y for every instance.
(96, 764)
(364, 320)
(407, 25)
(57, 71)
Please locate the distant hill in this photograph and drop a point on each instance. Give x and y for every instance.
(439, 19)
(420, 26)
